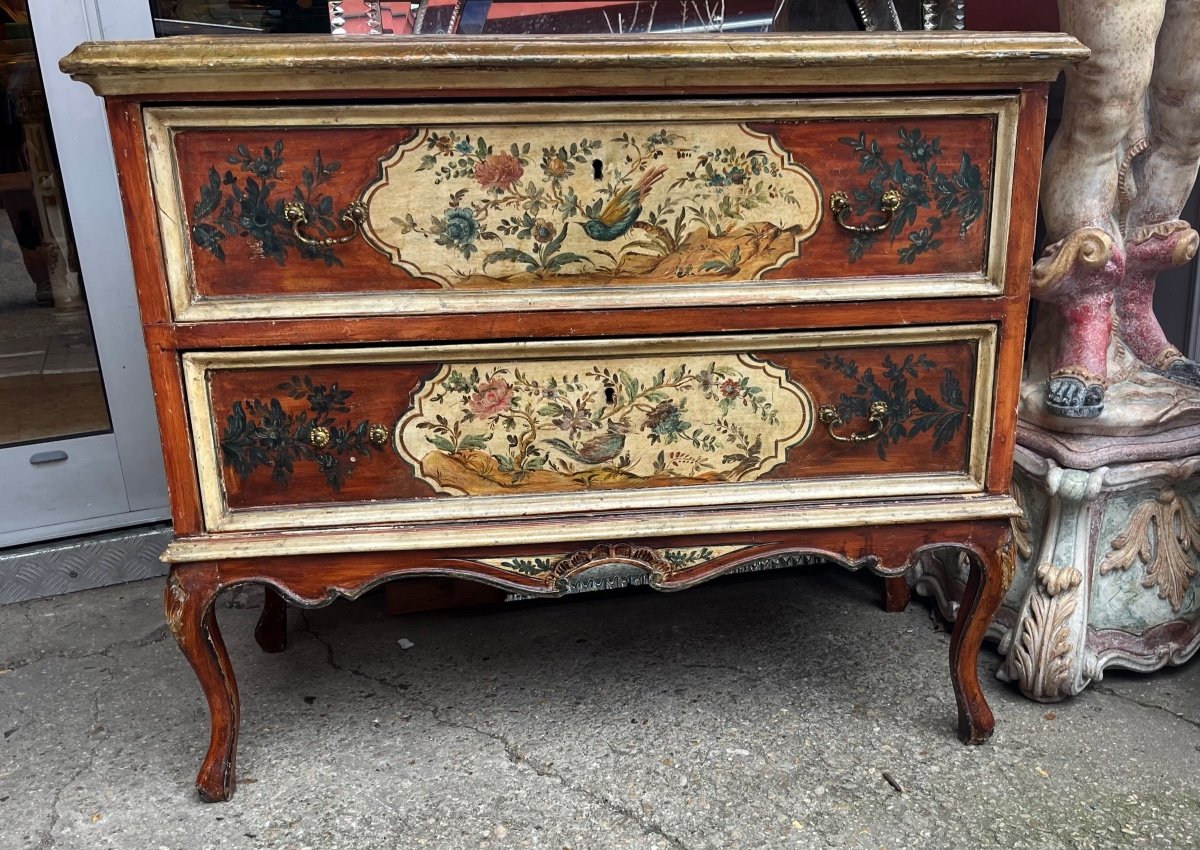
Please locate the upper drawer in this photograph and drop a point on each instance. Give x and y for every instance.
(330, 210)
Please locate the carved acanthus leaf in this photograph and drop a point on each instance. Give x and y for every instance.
(1161, 534)
(1057, 579)
(174, 601)
(1022, 528)
(1039, 657)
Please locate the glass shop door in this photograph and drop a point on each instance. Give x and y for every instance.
(79, 448)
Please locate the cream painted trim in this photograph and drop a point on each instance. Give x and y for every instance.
(163, 122)
(517, 63)
(218, 517)
(462, 535)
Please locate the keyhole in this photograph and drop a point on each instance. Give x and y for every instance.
(610, 395)
(598, 169)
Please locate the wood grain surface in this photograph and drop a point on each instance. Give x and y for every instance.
(929, 175)
(384, 394)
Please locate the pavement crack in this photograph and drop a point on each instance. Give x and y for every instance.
(47, 841)
(330, 659)
(158, 635)
(512, 752)
(1104, 689)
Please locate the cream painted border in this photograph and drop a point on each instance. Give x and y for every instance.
(218, 517)
(163, 122)
(565, 529)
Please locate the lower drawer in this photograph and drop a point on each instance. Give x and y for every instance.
(319, 437)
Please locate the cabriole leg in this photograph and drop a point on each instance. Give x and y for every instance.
(896, 594)
(188, 601)
(271, 631)
(991, 573)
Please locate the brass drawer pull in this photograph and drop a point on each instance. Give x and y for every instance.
(832, 419)
(839, 202)
(352, 216)
(378, 435)
(319, 437)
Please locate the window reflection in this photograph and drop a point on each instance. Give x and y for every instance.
(601, 17)
(50, 384)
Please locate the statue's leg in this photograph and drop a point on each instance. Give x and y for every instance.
(1156, 239)
(1085, 260)
(188, 603)
(1078, 275)
(1150, 251)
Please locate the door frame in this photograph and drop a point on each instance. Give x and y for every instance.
(113, 479)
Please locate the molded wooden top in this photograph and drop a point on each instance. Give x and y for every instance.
(352, 65)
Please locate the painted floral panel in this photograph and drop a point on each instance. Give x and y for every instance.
(554, 426)
(491, 207)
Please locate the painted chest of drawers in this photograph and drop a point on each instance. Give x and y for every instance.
(512, 310)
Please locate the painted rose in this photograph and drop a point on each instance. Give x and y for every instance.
(499, 171)
(491, 398)
(457, 230)
(543, 231)
(731, 388)
(556, 167)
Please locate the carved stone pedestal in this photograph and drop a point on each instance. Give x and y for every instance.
(1107, 558)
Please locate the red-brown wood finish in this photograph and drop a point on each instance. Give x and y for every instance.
(1021, 236)
(887, 551)
(559, 324)
(820, 146)
(896, 594)
(271, 629)
(383, 394)
(300, 580)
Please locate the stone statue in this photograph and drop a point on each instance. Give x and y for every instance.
(1116, 178)
(1107, 462)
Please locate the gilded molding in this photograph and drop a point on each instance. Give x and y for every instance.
(192, 64)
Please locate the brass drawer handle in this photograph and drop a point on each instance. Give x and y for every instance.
(829, 415)
(352, 216)
(320, 436)
(839, 202)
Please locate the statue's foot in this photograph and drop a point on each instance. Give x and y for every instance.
(1152, 250)
(1075, 395)
(1171, 364)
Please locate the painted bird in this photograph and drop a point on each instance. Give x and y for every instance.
(598, 449)
(620, 213)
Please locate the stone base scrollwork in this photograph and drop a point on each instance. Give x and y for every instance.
(1107, 565)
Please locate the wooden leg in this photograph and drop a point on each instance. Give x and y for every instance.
(991, 573)
(188, 601)
(271, 631)
(896, 594)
